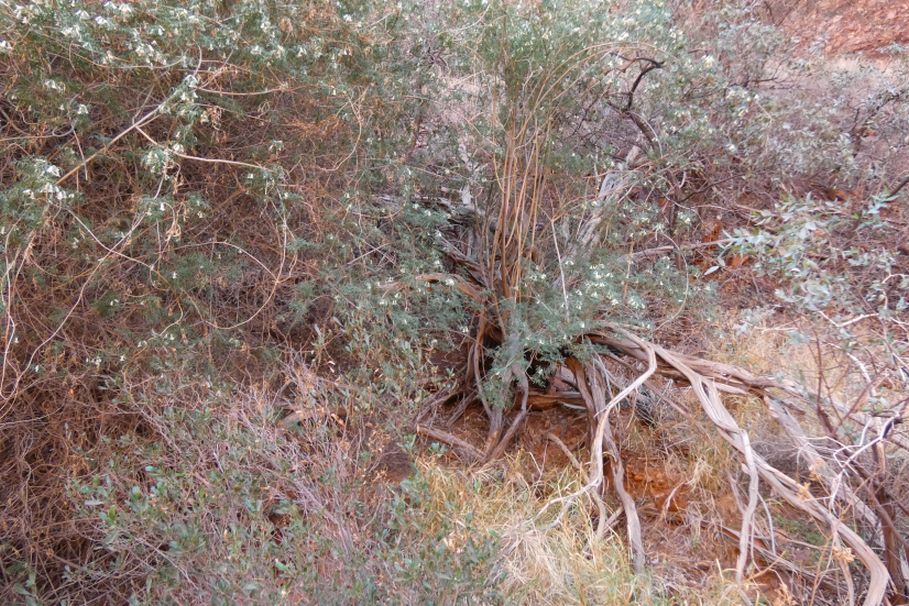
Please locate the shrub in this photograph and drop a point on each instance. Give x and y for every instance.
(217, 215)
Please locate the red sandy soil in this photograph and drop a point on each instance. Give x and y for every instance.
(843, 27)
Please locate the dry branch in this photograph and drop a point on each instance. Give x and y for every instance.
(465, 448)
(590, 381)
(705, 386)
(708, 380)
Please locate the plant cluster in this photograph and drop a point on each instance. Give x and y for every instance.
(250, 247)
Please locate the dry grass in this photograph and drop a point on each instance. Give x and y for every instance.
(544, 561)
(538, 564)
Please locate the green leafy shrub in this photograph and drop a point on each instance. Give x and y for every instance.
(200, 200)
(161, 158)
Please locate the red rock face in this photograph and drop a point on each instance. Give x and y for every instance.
(845, 27)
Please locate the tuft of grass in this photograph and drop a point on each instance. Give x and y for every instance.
(535, 563)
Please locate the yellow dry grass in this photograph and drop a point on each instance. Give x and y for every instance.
(540, 563)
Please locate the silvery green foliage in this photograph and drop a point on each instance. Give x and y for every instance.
(150, 102)
(837, 264)
(831, 256)
(323, 103)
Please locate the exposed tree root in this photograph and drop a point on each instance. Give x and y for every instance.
(508, 242)
(708, 381)
(468, 450)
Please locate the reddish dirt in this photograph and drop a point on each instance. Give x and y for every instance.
(844, 27)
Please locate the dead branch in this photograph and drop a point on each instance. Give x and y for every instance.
(472, 453)
(590, 382)
(708, 380)
(705, 388)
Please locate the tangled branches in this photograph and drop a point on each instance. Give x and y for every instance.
(515, 241)
(708, 381)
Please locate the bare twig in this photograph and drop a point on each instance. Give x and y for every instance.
(466, 448)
